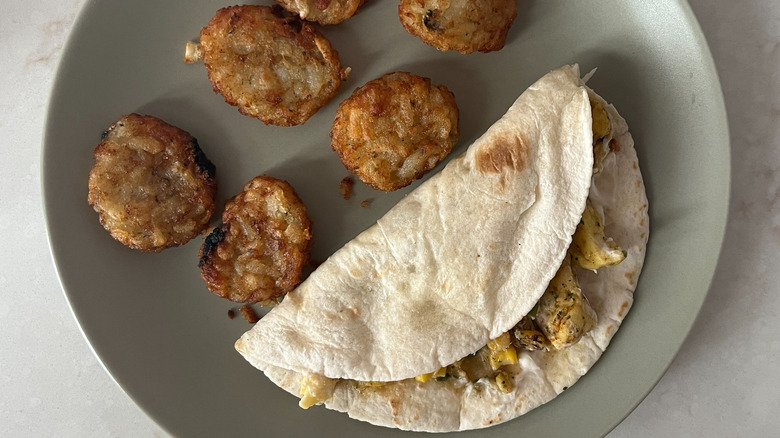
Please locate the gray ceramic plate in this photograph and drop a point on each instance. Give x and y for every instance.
(169, 343)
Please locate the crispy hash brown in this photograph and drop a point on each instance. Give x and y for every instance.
(465, 25)
(151, 184)
(269, 64)
(259, 251)
(394, 129)
(322, 11)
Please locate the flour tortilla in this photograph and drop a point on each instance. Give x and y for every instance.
(457, 262)
(618, 192)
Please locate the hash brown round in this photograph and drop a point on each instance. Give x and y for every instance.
(151, 184)
(259, 251)
(271, 65)
(393, 129)
(465, 26)
(322, 11)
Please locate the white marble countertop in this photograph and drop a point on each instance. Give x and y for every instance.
(722, 383)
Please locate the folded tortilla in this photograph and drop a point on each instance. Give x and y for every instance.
(458, 262)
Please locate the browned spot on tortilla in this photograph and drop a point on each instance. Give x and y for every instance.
(642, 222)
(623, 308)
(506, 151)
(630, 277)
(609, 329)
(634, 165)
(643, 235)
(637, 183)
(496, 419)
(396, 405)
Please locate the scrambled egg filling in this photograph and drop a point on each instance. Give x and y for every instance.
(315, 389)
(439, 374)
(600, 121)
(590, 248)
(501, 351)
(564, 313)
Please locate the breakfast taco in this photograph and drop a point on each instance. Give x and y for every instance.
(487, 290)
